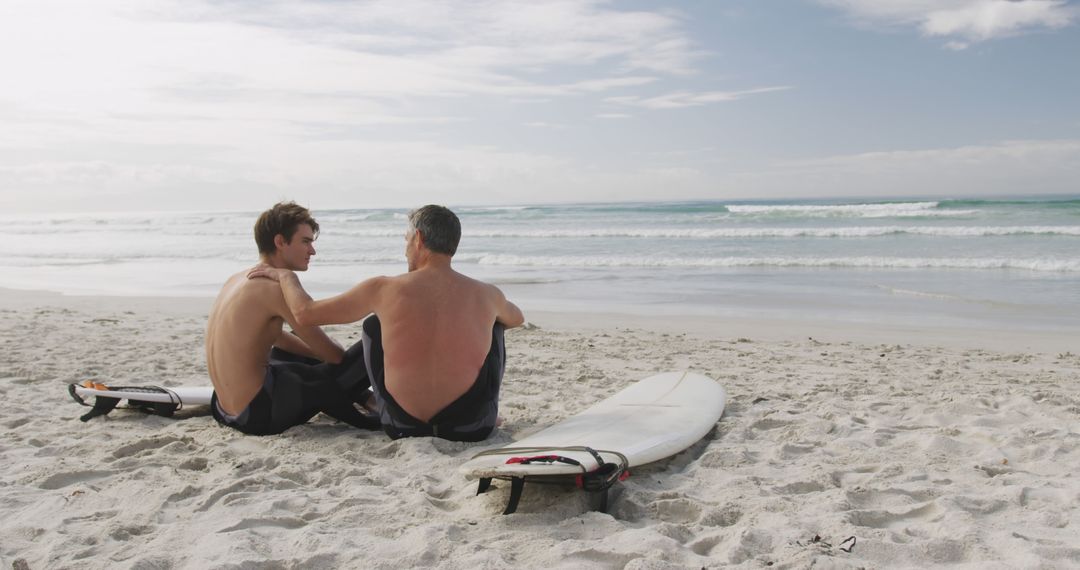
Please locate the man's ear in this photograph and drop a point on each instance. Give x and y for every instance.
(419, 239)
(280, 242)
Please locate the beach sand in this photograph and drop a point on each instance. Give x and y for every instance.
(930, 447)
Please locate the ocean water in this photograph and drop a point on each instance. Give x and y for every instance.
(945, 262)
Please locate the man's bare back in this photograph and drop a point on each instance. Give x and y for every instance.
(436, 333)
(243, 326)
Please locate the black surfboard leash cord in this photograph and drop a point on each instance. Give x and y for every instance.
(104, 404)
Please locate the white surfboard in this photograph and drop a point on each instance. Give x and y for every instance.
(186, 395)
(648, 421)
(154, 399)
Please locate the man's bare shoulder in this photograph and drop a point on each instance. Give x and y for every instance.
(239, 289)
(384, 283)
(488, 288)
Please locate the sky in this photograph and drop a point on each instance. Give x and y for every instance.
(118, 105)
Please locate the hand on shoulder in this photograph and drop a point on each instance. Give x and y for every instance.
(265, 271)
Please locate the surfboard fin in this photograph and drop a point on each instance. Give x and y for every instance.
(102, 405)
(517, 485)
(600, 501)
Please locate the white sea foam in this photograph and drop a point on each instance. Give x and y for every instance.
(493, 209)
(868, 262)
(925, 294)
(890, 210)
(851, 232)
(715, 233)
(891, 206)
(348, 218)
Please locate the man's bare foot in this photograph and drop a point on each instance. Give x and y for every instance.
(371, 405)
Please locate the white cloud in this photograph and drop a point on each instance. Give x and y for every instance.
(475, 38)
(613, 116)
(1009, 167)
(1033, 153)
(964, 21)
(681, 99)
(273, 59)
(988, 19)
(142, 98)
(329, 173)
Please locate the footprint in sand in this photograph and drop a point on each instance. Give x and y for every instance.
(185, 493)
(125, 532)
(1043, 497)
(194, 464)
(153, 562)
(725, 516)
(887, 498)
(98, 516)
(389, 450)
(274, 522)
(17, 422)
(680, 511)
(978, 505)
(144, 445)
(259, 464)
(794, 450)
(765, 424)
(704, 546)
(856, 476)
(928, 512)
(61, 480)
(884, 436)
(439, 495)
(800, 488)
(727, 458)
(244, 487)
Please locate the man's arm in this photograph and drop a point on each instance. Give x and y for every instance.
(318, 343)
(507, 313)
(348, 307)
(289, 342)
(308, 341)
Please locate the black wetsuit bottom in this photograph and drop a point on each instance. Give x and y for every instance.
(296, 388)
(471, 417)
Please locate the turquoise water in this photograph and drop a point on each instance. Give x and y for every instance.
(962, 262)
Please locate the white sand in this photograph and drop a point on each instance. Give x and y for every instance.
(937, 448)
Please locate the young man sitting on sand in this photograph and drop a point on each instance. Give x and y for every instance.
(434, 345)
(267, 380)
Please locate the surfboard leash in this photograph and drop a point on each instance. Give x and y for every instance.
(104, 404)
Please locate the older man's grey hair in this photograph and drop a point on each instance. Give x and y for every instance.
(439, 227)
